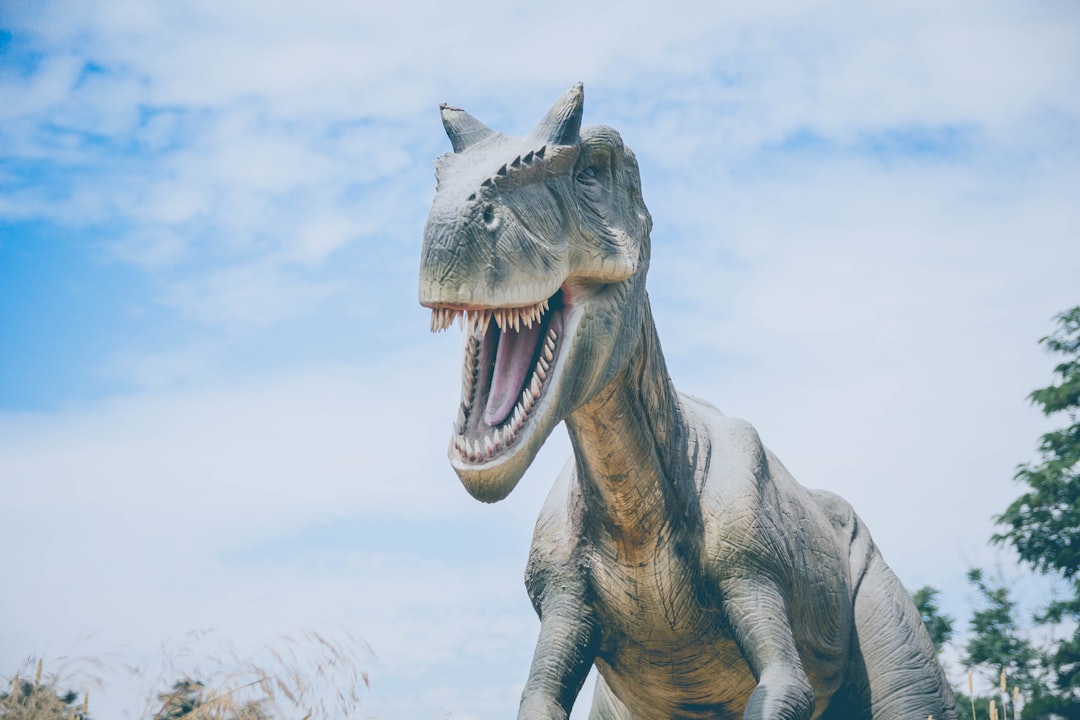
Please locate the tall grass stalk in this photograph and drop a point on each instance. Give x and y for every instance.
(306, 675)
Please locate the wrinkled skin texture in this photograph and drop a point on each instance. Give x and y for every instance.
(674, 552)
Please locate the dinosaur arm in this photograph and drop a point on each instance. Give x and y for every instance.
(568, 644)
(758, 615)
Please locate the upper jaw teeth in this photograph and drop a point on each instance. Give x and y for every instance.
(476, 321)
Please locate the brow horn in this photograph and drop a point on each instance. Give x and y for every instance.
(462, 128)
(563, 122)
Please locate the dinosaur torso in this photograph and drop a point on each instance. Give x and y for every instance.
(668, 649)
(675, 553)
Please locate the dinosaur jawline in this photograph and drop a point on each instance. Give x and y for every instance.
(509, 361)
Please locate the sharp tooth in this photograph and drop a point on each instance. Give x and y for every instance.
(535, 386)
(489, 447)
(517, 319)
(548, 354)
(541, 372)
(498, 441)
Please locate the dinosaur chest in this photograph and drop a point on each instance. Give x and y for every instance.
(667, 650)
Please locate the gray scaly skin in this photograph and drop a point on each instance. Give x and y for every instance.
(675, 552)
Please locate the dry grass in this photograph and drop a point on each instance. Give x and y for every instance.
(306, 675)
(993, 711)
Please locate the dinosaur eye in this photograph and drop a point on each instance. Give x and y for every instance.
(589, 185)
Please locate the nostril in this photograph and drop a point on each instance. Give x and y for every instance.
(490, 217)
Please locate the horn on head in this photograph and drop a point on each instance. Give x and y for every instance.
(462, 128)
(563, 122)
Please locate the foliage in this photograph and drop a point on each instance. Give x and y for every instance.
(1043, 527)
(1001, 647)
(1043, 524)
(1033, 662)
(998, 644)
(939, 626)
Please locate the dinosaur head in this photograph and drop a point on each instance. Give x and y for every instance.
(538, 246)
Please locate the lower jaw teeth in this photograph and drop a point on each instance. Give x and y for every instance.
(500, 438)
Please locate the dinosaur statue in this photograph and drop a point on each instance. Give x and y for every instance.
(675, 552)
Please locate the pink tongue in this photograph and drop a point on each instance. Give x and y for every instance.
(513, 360)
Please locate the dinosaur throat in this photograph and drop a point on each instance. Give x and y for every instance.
(509, 362)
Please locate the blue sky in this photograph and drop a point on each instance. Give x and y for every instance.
(211, 355)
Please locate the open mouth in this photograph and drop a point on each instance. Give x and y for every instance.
(510, 354)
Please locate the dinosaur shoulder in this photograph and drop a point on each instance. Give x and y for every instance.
(736, 453)
(737, 492)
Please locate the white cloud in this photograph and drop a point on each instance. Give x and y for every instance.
(163, 513)
(264, 122)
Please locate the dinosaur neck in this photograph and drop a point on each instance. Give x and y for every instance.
(633, 445)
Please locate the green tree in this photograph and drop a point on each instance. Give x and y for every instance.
(1043, 524)
(1000, 644)
(938, 625)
